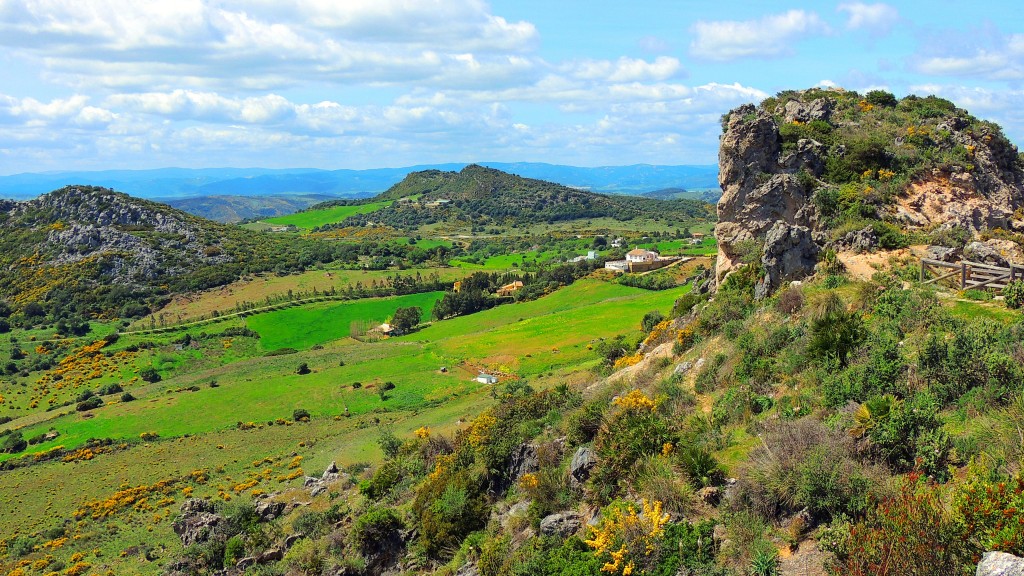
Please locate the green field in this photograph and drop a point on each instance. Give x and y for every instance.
(313, 218)
(301, 328)
(528, 339)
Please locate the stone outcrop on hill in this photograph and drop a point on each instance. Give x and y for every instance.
(762, 192)
(798, 168)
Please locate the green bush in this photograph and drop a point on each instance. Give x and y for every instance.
(375, 526)
(90, 404)
(300, 415)
(234, 550)
(150, 375)
(1013, 294)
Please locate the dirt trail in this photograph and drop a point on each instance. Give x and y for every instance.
(863, 266)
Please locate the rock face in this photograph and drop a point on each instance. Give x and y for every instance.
(583, 461)
(760, 187)
(563, 524)
(1000, 564)
(789, 253)
(196, 522)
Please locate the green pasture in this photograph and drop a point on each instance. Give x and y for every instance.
(306, 326)
(313, 218)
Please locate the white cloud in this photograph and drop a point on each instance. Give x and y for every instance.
(767, 37)
(262, 44)
(1000, 58)
(625, 69)
(875, 19)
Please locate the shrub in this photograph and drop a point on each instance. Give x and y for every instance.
(112, 388)
(633, 432)
(908, 534)
(150, 375)
(582, 424)
(127, 397)
(700, 466)
(234, 550)
(13, 443)
(1013, 294)
(881, 98)
(375, 526)
(303, 369)
(650, 320)
(790, 300)
(300, 415)
(90, 404)
(803, 464)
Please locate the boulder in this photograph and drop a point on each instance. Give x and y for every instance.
(1000, 564)
(941, 253)
(271, 555)
(246, 562)
(863, 240)
(197, 521)
(468, 569)
(562, 524)
(269, 510)
(983, 253)
(804, 112)
(583, 461)
(291, 539)
(682, 368)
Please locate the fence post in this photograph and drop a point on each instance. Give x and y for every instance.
(963, 275)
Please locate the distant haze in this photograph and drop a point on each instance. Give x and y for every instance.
(178, 183)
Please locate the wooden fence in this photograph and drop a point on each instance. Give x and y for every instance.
(970, 275)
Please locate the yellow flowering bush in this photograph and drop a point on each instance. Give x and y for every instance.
(628, 540)
(635, 400)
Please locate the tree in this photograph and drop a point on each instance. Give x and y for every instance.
(406, 319)
(303, 369)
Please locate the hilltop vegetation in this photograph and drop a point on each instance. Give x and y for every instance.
(483, 197)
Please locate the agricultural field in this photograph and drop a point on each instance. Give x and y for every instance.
(312, 218)
(306, 326)
(526, 339)
(258, 288)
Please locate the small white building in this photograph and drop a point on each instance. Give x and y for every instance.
(641, 256)
(617, 265)
(591, 254)
(486, 378)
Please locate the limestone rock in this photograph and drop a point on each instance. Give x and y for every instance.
(790, 253)
(269, 510)
(562, 524)
(523, 461)
(804, 112)
(197, 521)
(1000, 564)
(941, 253)
(982, 252)
(863, 240)
(583, 461)
(468, 569)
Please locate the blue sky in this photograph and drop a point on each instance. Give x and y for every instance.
(91, 84)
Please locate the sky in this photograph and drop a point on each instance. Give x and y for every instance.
(123, 84)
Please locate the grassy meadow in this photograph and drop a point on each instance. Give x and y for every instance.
(312, 218)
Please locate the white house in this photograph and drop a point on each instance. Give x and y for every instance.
(486, 379)
(617, 265)
(641, 256)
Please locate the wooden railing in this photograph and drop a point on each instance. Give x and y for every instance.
(970, 275)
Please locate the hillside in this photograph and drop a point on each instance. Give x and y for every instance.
(86, 250)
(485, 197)
(230, 209)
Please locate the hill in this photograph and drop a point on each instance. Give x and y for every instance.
(231, 209)
(486, 197)
(87, 250)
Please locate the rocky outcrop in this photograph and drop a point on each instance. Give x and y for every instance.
(197, 522)
(1000, 564)
(760, 187)
(562, 524)
(583, 461)
(963, 175)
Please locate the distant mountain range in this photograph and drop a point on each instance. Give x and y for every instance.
(171, 183)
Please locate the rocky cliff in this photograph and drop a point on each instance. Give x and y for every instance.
(814, 170)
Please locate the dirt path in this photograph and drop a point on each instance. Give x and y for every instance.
(862, 266)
